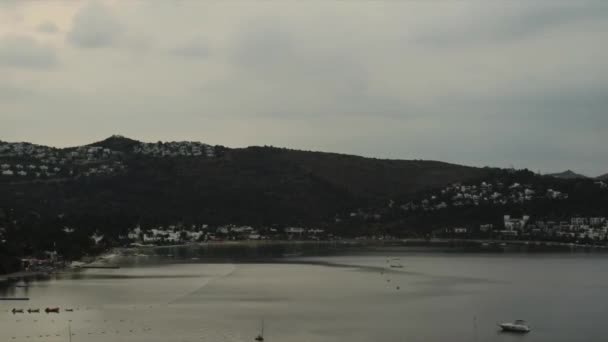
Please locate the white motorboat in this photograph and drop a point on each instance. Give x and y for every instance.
(519, 326)
(395, 263)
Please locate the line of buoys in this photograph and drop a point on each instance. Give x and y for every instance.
(103, 332)
(122, 322)
(47, 310)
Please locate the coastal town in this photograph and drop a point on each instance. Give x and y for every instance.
(583, 231)
(576, 229)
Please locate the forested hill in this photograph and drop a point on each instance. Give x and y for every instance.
(123, 180)
(58, 199)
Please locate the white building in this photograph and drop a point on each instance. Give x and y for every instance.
(294, 230)
(512, 224)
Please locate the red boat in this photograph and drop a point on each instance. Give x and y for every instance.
(53, 310)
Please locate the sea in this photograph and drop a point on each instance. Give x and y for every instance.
(316, 293)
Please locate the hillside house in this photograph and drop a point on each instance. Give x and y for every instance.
(514, 224)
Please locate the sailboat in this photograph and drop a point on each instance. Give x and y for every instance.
(260, 336)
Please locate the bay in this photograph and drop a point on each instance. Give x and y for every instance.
(316, 293)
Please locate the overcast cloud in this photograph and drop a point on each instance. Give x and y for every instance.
(481, 83)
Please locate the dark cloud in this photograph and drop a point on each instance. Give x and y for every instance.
(25, 52)
(11, 93)
(264, 45)
(94, 26)
(47, 27)
(499, 21)
(9, 3)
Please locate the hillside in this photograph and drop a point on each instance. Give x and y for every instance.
(163, 182)
(58, 199)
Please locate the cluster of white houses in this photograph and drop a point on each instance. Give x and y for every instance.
(458, 195)
(25, 149)
(30, 169)
(175, 149)
(593, 228)
(179, 234)
(49, 155)
(35, 161)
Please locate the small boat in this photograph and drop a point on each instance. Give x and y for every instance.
(260, 336)
(394, 263)
(14, 311)
(519, 326)
(51, 310)
(69, 310)
(33, 310)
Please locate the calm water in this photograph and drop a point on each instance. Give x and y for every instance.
(334, 296)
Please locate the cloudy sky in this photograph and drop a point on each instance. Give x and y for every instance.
(500, 83)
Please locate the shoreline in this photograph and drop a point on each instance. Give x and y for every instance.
(21, 274)
(414, 242)
(481, 245)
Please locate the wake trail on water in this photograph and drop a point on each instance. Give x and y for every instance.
(204, 284)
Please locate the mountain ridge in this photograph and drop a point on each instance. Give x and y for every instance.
(568, 174)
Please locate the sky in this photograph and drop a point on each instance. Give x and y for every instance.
(496, 83)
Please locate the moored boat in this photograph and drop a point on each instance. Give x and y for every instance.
(260, 337)
(519, 326)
